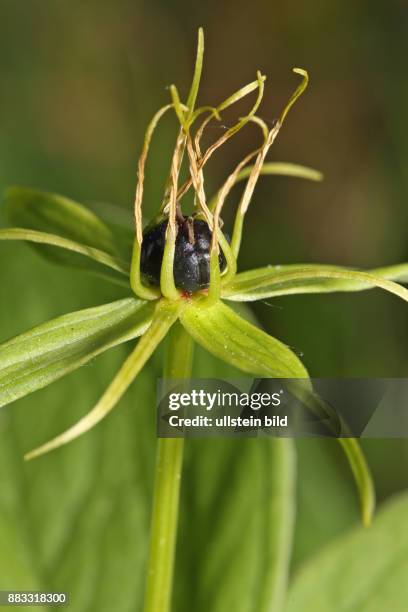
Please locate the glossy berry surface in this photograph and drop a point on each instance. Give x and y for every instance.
(191, 259)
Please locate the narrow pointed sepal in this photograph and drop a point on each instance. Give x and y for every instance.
(227, 336)
(291, 279)
(165, 315)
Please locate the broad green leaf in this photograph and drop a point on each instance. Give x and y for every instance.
(313, 278)
(238, 506)
(323, 482)
(55, 214)
(38, 357)
(86, 235)
(365, 571)
(16, 567)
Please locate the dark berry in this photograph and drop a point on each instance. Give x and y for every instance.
(191, 258)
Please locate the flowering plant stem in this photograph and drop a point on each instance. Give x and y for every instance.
(169, 459)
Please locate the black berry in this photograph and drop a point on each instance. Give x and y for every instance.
(192, 255)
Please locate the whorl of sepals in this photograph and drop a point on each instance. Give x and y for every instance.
(189, 141)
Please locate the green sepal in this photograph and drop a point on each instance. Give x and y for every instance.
(273, 281)
(163, 314)
(229, 337)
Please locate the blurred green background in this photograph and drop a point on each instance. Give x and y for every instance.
(79, 81)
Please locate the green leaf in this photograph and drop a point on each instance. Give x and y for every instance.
(55, 214)
(323, 482)
(364, 571)
(35, 359)
(237, 518)
(100, 257)
(291, 279)
(86, 236)
(15, 566)
(120, 222)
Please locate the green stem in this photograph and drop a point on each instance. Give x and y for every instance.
(177, 364)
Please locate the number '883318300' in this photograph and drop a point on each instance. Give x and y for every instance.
(33, 598)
